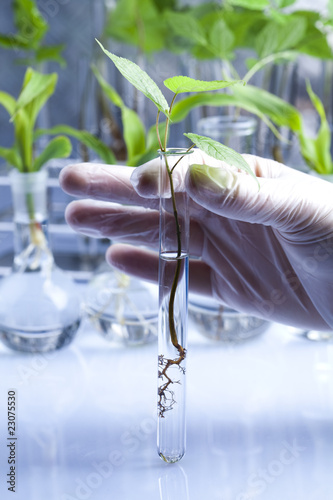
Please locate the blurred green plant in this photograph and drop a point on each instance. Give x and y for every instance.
(275, 112)
(276, 37)
(31, 29)
(216, 31)
(141, 144)
(211, 30)
(37, 88)
(140, 23)
(316, 151)
(269, 32)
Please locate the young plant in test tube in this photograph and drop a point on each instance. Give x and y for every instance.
(174, 251)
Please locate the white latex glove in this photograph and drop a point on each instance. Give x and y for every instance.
(267, 252)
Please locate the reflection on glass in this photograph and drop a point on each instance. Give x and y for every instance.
(173, 485)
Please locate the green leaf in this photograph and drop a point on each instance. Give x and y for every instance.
(34, 85)
(134, 134)
(316, 103)
(250, 4)
(83, 136)
(220, 152)
(285, 3)
(249, 98)
(221, 39)
(179, 84)
(165, 4)
(108, 90)
(139, 78)
(139, 23)
(148, 155)
(182, 108)
(267, 40)
(277, 37)
(51, 53)
(24, 138)
(152, 145)
(36, 90)
(317, 152)
(316, 47)
(133, 128)
(59, 147)
(29, 22)
(31, 29)
(12, 157)
(245, 24)
(185, 25)
(12, 42)
(8, 102)
(292, 32)
(316, 41)
(279, 111)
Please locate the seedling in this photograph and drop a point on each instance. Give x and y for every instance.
(178, 85)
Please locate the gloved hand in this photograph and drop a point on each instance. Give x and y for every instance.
(267, 252)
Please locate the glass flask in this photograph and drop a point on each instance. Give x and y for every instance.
(122, 308)
(40, 305)
(173, 309)
(212, 319)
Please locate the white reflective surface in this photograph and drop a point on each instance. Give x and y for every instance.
(259, 421)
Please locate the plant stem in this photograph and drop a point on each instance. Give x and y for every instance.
(172, 327)
(168, 122)
(166, 402)
(266, 60)
(157, 132)
(180, 159)
(165, 363)
(36, 233)
(30, 205)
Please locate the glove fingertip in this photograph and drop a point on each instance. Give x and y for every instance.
(205, 180)
(145, 179)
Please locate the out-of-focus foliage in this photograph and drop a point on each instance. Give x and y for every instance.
(217, 30)
(31, 29)
(269, 31)
(36, 90)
